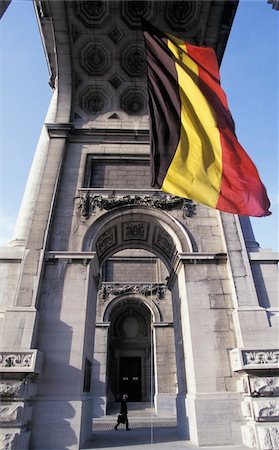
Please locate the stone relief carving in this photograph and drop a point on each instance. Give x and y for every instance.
(157, 290)
(163, 242)
(10, 389)
(268, 438)
(264, 386)
(9, 413)
(15, 359)
(8, 440)
(106, 240)
(266, 409)
(135, 231)
(89, 203)
(261, 357)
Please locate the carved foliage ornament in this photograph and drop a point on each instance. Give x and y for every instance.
(15, 359)
(261, 357)
(158, 290)
(90, 203)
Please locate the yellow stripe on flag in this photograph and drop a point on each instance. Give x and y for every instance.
(196, 169)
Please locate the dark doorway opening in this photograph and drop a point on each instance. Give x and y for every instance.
(130, 377)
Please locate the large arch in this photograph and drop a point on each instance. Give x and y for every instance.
(161, 234)
(137, 227)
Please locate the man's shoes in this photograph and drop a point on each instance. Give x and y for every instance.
(115, 428)
(128, 429)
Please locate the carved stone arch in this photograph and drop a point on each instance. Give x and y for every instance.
(151, 306)
(137, 227)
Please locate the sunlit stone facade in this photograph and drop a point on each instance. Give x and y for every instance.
(110, 286)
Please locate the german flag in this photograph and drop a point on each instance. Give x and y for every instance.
(194, 150)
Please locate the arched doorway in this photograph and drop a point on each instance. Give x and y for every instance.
(130, 355)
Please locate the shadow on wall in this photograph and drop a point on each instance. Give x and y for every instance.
(58, 405)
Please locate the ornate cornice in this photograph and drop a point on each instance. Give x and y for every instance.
(158, 290)
(20, 361)
(90, 203)
(254, 359)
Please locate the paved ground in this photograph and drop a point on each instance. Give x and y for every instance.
(157, 438)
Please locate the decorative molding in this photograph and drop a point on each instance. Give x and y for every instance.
(90, 203)
(20, 361)
(148, 290)
(242, 359)
(16, 359)
(261, 357)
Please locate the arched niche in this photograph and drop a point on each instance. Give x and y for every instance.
(129, 351)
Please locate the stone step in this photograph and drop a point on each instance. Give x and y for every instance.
(107, 422)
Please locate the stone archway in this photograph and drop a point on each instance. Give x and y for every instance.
(130, 354)
(122, 234)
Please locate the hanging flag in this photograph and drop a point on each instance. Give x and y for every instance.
(194, 149)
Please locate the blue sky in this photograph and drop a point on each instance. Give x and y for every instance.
(249, 74)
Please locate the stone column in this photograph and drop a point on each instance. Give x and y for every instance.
(34, 180)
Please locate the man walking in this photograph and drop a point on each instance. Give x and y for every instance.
(123, 416)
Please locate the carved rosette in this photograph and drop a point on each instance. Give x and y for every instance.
(94, 100)
(92, 13)
(94, 58)
(133, 101)
(90, 203)
(133, 60)
(148, 290)
(133, 10)
(182, 15)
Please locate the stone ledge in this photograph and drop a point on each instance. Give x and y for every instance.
(254, 359)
